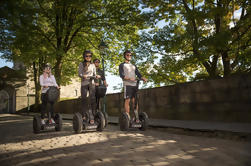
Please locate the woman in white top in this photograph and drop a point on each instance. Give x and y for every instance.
(46, 80)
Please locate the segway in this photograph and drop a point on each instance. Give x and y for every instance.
(140, 120)
(50, 123)
(83, 122)
(100, 93)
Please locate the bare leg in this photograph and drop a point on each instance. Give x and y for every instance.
(127, 106)
(136, 114)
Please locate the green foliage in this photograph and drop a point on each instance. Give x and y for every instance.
(202, 37)
(59, 31)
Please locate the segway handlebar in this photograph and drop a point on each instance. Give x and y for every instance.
(91, 77)
(138, 81)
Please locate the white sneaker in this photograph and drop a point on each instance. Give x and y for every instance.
(52, 121)
(43, 122)
(128, 116)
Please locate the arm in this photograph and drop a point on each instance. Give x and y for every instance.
(94, 70)
(41, 81)
(103, 76)
(80, 70)
(54, 81)
(121, 71)
(138, 73)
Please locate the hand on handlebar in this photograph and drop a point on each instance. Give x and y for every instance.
(133, 80)
(130, 79)
(88, 77)
(144, 79)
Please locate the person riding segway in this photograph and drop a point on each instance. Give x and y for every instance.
(50, 94)
(101, 87)
(128, 73)
(89, 118)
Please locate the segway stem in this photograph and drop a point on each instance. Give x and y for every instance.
(136, 100)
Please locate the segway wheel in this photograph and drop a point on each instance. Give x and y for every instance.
(100, 119)
(143, 117)
(37, 124)
(124, 122)
(77, 123)
(59, 122)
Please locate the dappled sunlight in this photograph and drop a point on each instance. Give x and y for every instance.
(104, 148)
(181, 156)
(36, 160)
(193, 151)
(110, 147)
(161, 163)
(208, 149)
(10, 121)
(160, 142)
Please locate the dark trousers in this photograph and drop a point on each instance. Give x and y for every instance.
(88, 102)
(45, 101)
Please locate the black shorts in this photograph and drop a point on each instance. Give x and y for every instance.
(130, 91)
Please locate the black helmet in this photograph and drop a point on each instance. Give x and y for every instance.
(47, 65)
(86, 52)
(94, 60)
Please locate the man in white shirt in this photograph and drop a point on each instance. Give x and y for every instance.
(128, 73)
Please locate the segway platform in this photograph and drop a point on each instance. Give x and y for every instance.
(39, 127)
(100, 93)
(126, 123)
(80, 124)
(135, 125)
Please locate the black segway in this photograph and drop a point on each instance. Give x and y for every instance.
(140, 120)
(83, 124)
(49, 123)
(100, 93)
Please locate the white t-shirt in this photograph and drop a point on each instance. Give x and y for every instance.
(91, 71)
(47, 81)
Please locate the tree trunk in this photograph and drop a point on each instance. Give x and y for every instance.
(211, 69)
(37, 86)
(58, 69)
(226, 63)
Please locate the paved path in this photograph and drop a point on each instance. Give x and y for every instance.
(239, 128)
(19, 146)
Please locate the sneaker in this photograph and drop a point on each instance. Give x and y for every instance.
(91, 121)
(52, 121)
(42, 122)
(128, 116)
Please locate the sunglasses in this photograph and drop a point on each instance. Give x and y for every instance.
(88, 56)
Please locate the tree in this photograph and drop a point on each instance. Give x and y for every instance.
(200, 36)
(60, 30)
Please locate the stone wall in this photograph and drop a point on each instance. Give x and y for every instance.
(225, 100)
(72, 90)
(22, 100)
